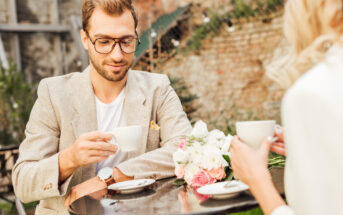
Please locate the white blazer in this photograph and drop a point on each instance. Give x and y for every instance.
(312, 113)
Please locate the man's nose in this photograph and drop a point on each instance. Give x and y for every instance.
(117, 54)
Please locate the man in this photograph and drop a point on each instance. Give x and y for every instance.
(66, 137)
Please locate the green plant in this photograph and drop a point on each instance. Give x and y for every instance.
(17, 97)
(201, 33)
(241, 9)
(10, 209)
(187, 98)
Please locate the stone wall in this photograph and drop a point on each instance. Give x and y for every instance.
(228, 72)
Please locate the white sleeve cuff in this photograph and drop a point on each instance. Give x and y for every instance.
(282, 210)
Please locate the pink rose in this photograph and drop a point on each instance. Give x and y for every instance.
(180, 171)
(218, 174)
(182, 144)
(201, 179)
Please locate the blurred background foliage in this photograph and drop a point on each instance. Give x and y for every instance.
(17, 97)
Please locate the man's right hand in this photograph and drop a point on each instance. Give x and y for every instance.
(89, 148)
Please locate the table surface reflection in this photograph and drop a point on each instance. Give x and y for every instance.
(163, 197)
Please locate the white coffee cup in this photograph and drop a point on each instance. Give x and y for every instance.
(127, 138)
(254, 132)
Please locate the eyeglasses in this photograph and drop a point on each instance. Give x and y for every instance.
(127, 44)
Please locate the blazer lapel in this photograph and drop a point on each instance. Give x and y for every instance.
(135, 111)
(85, 113)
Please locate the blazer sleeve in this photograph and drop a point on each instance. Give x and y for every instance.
(174, 125)
(36, 172)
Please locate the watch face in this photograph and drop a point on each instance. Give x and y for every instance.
(105, 173)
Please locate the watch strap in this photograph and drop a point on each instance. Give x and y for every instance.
(85, 188)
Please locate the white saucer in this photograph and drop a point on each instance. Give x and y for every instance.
(132, 186)
(223, 190)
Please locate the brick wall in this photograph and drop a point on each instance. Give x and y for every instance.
(221, 5)
(228, 72)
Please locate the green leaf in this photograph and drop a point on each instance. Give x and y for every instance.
(229, 174)
(179, 182)
(276, 161)
(227, 158)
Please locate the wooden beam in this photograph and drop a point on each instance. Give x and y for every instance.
(34, 28)
(3, 58)
(13, 11)
(15, 39)
(55, 19)
(151, 45)
(75, 33)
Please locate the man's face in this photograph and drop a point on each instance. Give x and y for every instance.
(114, 65)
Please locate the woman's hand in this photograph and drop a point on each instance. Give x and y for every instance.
(279, 146)
(251, 167)
(248, 164)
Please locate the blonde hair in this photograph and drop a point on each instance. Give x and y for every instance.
(311, 27)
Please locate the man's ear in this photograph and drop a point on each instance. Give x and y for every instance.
(84, 39)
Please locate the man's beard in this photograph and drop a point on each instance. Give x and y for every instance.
(108, 74)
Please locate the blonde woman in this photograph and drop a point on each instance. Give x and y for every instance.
(312, 114)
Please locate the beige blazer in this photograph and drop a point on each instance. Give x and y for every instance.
(65, 109)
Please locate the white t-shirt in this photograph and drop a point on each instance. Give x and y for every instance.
(111, 116)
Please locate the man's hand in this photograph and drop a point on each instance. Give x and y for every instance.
(89, 148)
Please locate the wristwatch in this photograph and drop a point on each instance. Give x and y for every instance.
(106, 175)
(90, 186)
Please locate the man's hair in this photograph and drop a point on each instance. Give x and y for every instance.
(112, 7)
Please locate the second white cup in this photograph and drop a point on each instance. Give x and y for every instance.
(254, 132)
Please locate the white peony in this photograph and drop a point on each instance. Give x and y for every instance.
(227, 143)
(191, 170)
(216, 138)
(180, 157)
(195, 154)
(200, 130)
(212, 158)
(204, 150)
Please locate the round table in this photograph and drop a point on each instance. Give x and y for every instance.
(164, 197)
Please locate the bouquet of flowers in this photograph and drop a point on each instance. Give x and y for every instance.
(203, 157)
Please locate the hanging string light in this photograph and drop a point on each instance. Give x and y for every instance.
(230, 28)
(175, 43)
(206, 19)
(153, 33)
